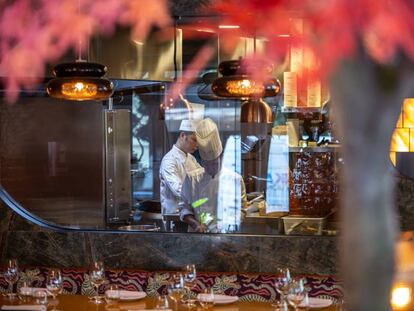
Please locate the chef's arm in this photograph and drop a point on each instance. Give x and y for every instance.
(187, 216)
(186, 210)
(243, 193)
(193, 223)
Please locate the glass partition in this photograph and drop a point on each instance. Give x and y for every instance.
(99, 165)
(56, 163)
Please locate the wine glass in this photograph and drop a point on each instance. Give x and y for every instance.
(97, 278)
(190, 274)
(282, 283)
(54, 284)
(176, 287)
(206, 298)
(296, 293)
(11, 275)
(40, 296)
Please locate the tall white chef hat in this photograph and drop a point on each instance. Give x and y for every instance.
(187, 126)
(208, 139)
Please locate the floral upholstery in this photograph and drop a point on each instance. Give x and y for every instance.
(248, 286)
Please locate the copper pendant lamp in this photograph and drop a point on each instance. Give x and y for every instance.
(255, 111)
(80, 81)
(236, 83)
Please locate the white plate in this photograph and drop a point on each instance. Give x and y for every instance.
(127, 295)
(315, 303)
(221, 299)
(30, 290)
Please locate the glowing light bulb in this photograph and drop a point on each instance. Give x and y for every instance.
(244, 87)
(245, 83)
(79, 90)
(401, 296)
(79, 86)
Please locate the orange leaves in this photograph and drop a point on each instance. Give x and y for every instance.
(334, 28)
(36, 32)
(142, 15)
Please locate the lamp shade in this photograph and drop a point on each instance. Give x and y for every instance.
(236, 83)
(80, 81)
(242, 86)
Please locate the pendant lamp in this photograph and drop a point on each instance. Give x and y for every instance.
(235, 82)
(80, 81)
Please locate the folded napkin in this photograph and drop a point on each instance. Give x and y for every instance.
(126, 294)
(30, 290)
(316, 303)
(220, 299)
(25, 307)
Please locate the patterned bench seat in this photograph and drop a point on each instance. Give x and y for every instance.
(247, 286)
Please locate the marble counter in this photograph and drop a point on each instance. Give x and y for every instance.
(35, 245)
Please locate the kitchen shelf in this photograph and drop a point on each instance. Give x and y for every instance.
(329, 148)
(256, 215)
(301, 109)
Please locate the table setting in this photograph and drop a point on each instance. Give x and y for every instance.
(182, 293)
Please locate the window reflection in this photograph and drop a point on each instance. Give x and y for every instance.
(231, 187)
(64, 182)
(277, 176)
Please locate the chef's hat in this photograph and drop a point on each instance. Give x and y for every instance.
(208, 139)
(187, 126)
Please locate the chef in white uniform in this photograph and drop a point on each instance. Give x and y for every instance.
(175, 165)
(211, 196)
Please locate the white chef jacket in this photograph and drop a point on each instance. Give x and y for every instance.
(173, 169)
(224, 192)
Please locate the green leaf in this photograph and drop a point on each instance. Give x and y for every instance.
(206, 218)
(199, 202)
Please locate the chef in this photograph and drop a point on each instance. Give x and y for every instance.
(211, 196)
(175, 165)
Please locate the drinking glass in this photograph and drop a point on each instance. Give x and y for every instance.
(97, 278)
(206, 298)
(162, 302)
(283, 280)
(11, 275)
(25, 291)
(40, 296)
(296, 293)
(112, 294)
(176, 287)
(189, 301)
(340, 305)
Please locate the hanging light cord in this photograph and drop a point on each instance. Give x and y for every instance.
(175, 48)
(79, 59)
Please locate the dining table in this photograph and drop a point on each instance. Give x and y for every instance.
(84, 303)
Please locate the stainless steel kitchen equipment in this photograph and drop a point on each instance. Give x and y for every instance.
(117, 137)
